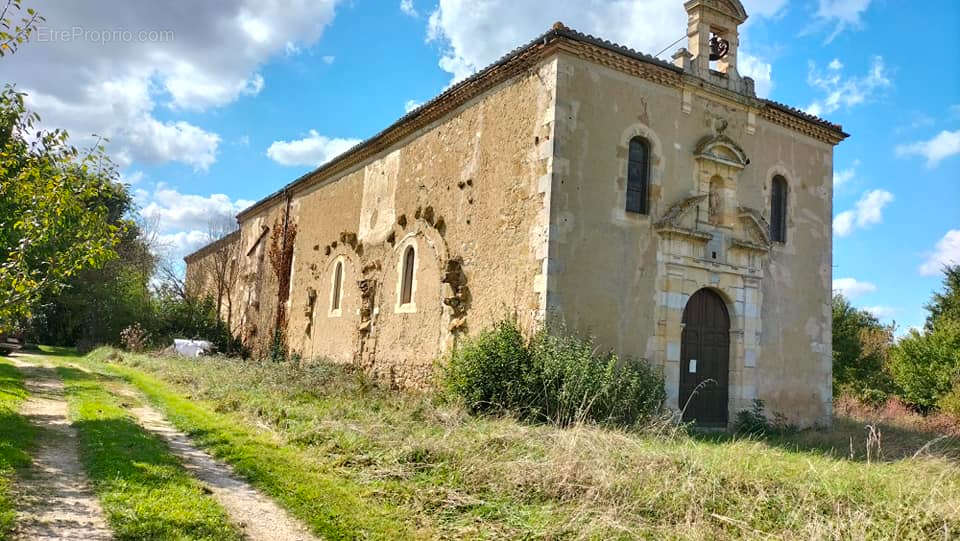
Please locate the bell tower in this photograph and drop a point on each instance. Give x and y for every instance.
(712, 31)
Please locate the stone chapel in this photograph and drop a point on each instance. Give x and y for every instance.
(662, 208)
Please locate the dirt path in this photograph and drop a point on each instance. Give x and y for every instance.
(256, 514)
(55, 498)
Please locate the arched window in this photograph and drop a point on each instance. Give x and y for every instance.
(406, 286)
(337, 286)
(778, 209)
(638, 176)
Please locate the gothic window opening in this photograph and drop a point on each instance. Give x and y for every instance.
(406, 286)
(337, 286)
(638, 176)
(778, 209)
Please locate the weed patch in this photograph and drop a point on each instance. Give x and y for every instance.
(16, 437)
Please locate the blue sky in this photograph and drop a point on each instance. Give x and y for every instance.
(211, 107)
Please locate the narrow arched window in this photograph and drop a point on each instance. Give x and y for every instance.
(406, 286)
(638, 176)
(337, 286)
(778, 209)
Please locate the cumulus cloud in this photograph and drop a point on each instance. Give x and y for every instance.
(312, 150)
(841, 91)
(868, 211)
(183, 221)
(851, 287)
(107, 67)
(406, 6)
(475, 34)
(947, 252)
(881, 312)
(844, 176)
(410, 105)
(942, 146)
(841, 14)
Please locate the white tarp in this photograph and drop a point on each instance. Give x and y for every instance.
(192, 348)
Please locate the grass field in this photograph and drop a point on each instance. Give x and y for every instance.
(354, 460)
(144, 491)
(16, 436)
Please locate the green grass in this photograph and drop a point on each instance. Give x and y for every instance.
(355, 460)
(144, 491)
(16, 438)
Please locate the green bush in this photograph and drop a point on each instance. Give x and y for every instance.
(489, 371)
(556, 377)
(950, 402)
(926, 365)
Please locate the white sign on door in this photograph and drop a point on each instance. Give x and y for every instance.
(693, 366)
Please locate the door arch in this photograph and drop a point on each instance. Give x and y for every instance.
(705, 359)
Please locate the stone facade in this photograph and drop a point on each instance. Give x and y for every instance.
(511, 187)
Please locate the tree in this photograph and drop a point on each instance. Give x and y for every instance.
(223, 263)
(926, 365)
(860, 347)
(945, 305)
(12, 34)
(53, 221)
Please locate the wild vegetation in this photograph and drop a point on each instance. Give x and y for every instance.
(17, 436)
(920, 370)
(553, 377)
(351, 458)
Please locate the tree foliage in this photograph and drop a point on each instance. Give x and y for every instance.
(14, 33)
(945, 305)
(53, 219)
(860, 348)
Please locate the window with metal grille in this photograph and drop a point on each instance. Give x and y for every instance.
(406, 287)
(638, 176)
(337, 285)
(778, 209)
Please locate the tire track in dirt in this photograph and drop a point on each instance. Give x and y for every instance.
(55, 500)
(258, 516)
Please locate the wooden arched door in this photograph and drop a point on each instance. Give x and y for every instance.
(705, 359)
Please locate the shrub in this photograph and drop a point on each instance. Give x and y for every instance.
(754, 421)
(134, 338)
(950, 402)
(556, 377)
(926, 365)
(489, 371)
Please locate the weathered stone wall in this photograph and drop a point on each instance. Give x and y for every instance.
(466, 192)
(625, 278)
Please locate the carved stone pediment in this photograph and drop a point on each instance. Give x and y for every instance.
(731, 8)
(672, 218)
(755, 226)
(722, 149)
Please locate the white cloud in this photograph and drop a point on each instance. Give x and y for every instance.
(182, 56)
(944, 145)
(845, 175)
(881, 312)
(475, 34)
(183, 221)
(846, 91)
(947, 252)
(868, 211)
(760, 71)
(410, 105)
(313, 150)
(851, 287)
(842, 14)
(328, 59)
(406, 6)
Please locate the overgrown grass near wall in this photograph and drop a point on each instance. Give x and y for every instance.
(16, 436)
(353, 460)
